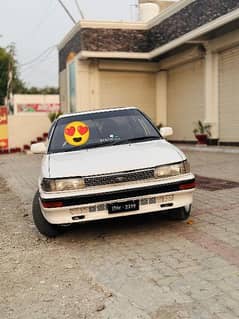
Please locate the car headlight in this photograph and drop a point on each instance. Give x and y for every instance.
(59, 185)
(172, 170)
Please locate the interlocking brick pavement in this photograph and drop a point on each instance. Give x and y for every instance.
(154, 267)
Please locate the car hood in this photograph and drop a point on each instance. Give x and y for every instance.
(111, 159)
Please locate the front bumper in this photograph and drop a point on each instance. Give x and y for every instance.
(153, 198)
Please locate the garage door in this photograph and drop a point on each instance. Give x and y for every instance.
(128, 89)
(229, 95)
(185, 99)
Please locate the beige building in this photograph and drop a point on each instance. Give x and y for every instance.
(180, 66)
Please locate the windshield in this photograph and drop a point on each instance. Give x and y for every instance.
(100, 129)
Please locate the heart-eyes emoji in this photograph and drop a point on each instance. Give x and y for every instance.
(76, 133)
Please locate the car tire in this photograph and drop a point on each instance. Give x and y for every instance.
(45, 228)
(182, 213)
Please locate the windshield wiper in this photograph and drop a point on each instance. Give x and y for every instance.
(137, 139)
(94, 145)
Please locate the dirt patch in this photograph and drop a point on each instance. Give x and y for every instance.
(38, 278)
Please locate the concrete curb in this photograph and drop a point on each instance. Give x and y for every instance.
(209, 149)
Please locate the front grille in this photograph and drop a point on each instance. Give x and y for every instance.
(118, 178)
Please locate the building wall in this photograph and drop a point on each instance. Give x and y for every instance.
(24, 128)
(103, 84)
(87, 85)
(34, 99)
(197, 84)
(118, 37)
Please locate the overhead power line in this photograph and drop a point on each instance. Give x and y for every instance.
(40, 66)
(44, 17)
(79, 9)
(67, 12)
(40, 56)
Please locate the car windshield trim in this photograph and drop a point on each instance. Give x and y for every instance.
(106, 129)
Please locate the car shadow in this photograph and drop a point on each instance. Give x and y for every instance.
(119, 226)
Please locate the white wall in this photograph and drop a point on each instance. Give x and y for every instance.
(34, 99)
(24, 128)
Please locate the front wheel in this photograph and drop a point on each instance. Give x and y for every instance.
(45, 228)
(182, 213)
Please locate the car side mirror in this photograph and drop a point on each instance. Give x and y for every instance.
(166, 131)
(38, 148)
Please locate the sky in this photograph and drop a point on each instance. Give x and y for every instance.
(37, 26)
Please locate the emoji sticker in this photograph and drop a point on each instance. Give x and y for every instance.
(76, 133)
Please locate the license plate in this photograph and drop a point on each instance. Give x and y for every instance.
(123, 207)
(165, 199)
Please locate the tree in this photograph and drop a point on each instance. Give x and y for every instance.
(4, 62)
(44, 90)
(9, 70)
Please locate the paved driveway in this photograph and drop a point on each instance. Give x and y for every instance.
(143, 267)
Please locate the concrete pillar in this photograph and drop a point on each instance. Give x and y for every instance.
(83, 86)
(212, 92)
(94, 93)
(161, 98)
(63, 92)
(87, 85)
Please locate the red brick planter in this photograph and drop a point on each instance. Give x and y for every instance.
(4, 152)
(26, 147)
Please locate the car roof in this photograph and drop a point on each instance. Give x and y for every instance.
(98, 111)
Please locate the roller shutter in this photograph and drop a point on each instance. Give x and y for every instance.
(229, 95)
(128, 89)
(185, 99)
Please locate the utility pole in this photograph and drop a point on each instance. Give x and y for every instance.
(9, 95)
(79, 9)
(67, 11)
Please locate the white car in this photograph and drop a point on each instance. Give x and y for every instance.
(109, 163)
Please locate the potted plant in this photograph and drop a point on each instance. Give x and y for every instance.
(202, 132)
(159, 126)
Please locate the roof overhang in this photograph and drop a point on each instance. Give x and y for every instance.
(144, 41)
(93, 24)
(199, 32)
